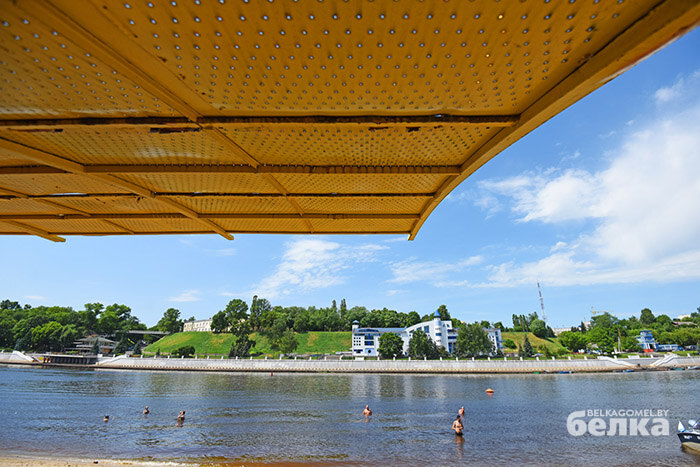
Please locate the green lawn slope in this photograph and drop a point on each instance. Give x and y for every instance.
(210, 343)
(519, 337)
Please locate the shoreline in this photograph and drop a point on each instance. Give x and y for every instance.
(7, 460)
(465, 366)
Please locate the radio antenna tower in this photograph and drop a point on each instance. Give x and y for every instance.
(544, 317)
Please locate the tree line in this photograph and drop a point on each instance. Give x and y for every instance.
(608, 333)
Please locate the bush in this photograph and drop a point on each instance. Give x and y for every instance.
(509, 344)
(185, 351)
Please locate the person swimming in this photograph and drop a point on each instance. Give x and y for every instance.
(106, 418)
(180, 417)
(458, 427)
(367, 412)
(146, 411)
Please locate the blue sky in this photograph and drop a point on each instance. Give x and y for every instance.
(601, 204)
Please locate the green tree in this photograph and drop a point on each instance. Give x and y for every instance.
(411, 319)
(278, 329)
(241, 347)
(603, 338)
(574, 341)
(646, 317)
(122, 346)
(444, 314)
(170, 322)
(257, 308)
(472, 341)
(604, 320)
(509, 344)
(219, 322)
(237, 310)
(10, 305)
(7, 337)
(184, 351)
(288, 342)
(526, 350)
(47, 336)
(88, 317)
(343, 310)
(419, 345)
(538, 328)
(390, 345)
(302, 323)
(631, 344)
(69, 334)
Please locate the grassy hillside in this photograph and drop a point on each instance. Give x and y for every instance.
(210, 343)
(519, 337)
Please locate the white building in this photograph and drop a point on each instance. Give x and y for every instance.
(365, 341)
(495, 337)
(199, 325)
(439, 331)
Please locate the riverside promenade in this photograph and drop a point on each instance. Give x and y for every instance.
(460, 366)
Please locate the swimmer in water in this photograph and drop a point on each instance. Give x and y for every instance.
(367, 412)
(106, 418)
(458, 427)
(180, 417)
(146, 411)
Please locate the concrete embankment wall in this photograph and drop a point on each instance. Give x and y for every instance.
(600, 364)
(398, 366)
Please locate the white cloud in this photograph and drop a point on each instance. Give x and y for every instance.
(433, 272)
(186, 296)
(223, 252)
(643, 207)
(393, 292)
(35, 297)
(666, 94)
(685, 87)
(313, 264)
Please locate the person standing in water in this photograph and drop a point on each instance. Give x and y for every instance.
(458, 427)
(367, 412)
(180, 418)
(146, 411)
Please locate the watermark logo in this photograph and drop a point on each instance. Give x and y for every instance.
(625, 422)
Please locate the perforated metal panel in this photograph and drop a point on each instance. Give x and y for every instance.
(285, 116)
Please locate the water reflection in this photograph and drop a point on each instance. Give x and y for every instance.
(318, 417)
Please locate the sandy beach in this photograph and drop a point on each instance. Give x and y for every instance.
(18, 461)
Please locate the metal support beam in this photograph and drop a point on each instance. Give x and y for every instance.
(210, 215)
(160, 195)
(117, 169)
(35, 231)
(175, 124)
(76, 168)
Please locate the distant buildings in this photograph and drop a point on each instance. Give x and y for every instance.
(646, 341)
(495, 338)
(86, 345)
(365, 341)
(199, 325)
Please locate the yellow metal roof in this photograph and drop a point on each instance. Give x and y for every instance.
(285, 116)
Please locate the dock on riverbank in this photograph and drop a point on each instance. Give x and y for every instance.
(459, 366)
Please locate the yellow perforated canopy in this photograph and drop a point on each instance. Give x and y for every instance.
(285, 116)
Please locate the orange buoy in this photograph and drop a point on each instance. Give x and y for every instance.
(489, 391)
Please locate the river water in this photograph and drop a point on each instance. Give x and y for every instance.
(316, 418)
